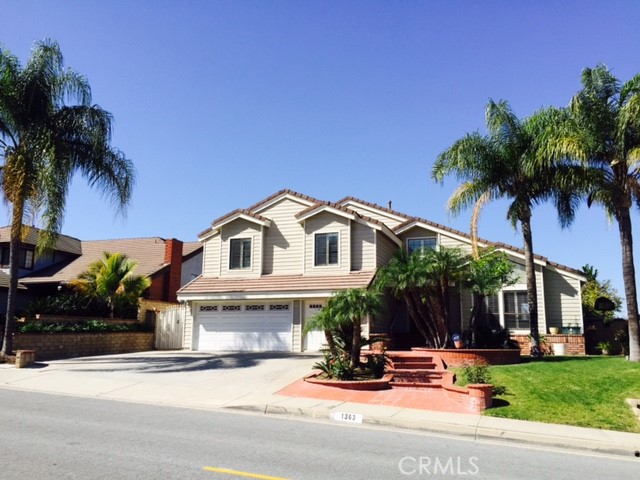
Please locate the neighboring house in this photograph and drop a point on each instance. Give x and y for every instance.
(169, 263)
(268, 268)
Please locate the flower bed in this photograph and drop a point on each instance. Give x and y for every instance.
(374, 384)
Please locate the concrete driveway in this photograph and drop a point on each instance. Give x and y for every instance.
(191, 379)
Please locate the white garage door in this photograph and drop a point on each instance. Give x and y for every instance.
(244, 328)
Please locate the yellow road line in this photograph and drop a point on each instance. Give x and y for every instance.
(241, 474)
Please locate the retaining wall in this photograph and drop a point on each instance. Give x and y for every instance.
(49, 346)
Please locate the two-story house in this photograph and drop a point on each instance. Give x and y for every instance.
(268, 268)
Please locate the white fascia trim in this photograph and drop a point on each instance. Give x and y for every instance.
(381, 228)
(368, 208)
(536, 261)
(243, 216)
(208, 235)
(463, 239)
(565, 273)
(326, 208)
(288, 196)
(208, 297)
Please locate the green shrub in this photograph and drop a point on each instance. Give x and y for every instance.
(338, 367)
(479, 373)
(86, 326)
(376, 364)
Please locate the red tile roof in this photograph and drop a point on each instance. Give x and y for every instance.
(148, 252)
(277, 283)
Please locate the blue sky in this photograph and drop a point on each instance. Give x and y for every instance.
(219, 104)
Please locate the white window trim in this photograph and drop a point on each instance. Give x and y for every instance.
(428, 237)
(328, 265)
(251, 259)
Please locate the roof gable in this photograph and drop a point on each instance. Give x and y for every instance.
(64, 243)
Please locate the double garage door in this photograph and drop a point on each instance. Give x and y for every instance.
(248, 327)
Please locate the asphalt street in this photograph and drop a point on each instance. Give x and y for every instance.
(65, 437)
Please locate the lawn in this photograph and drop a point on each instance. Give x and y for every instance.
(582, 391)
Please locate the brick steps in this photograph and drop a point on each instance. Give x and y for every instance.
(414, 365)
(415, 370)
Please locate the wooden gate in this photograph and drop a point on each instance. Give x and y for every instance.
(170, 328)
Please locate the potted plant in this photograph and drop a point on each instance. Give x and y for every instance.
(457, 340)
(554, 330)
(604, 347)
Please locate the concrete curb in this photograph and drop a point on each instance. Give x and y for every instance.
(481, 428)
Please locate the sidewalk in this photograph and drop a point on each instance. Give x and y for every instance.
(269, 384)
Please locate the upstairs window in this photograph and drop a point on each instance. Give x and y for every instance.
(326, 249)
(415, 244)
(240, 254)
(25, 260)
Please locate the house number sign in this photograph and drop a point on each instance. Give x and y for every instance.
(347, 417)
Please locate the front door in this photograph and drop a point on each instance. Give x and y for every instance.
(314, 340)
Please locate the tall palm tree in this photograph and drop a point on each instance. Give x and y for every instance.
(354, 305)
(111, 278)
(501, 165)
(48, 131)
(600, 131)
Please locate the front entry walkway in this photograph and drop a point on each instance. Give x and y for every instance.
(432, 399)
(420, 380)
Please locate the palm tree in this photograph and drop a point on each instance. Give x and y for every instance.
(111, 278)
(44, 140)
(600, 131)
(354, 305)
(501, 165)
(328, 322)
(422, 280)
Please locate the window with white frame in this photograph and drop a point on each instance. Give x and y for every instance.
(415, 244)
(240, 253)
(516, 310)
(326, 249)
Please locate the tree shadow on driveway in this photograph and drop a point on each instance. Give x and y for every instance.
(167, 362)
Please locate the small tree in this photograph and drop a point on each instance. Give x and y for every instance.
(112, 279)
(594, 289)
(486, 275)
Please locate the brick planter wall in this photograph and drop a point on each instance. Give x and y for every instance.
(49, 346)
(457, 357)
(573, 344)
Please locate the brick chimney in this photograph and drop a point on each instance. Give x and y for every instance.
(173, 256)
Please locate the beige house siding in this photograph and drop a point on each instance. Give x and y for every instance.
(385, 249)
(211, 257)
(296, 333)
(327, 223)
(363, 247)
(241, 229)
(284, 239)
(187, 342)
(563, 299)
(450, 242)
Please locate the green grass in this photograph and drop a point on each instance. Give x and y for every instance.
(581, 391)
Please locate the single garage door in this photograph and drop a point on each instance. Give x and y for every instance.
(244, 327)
